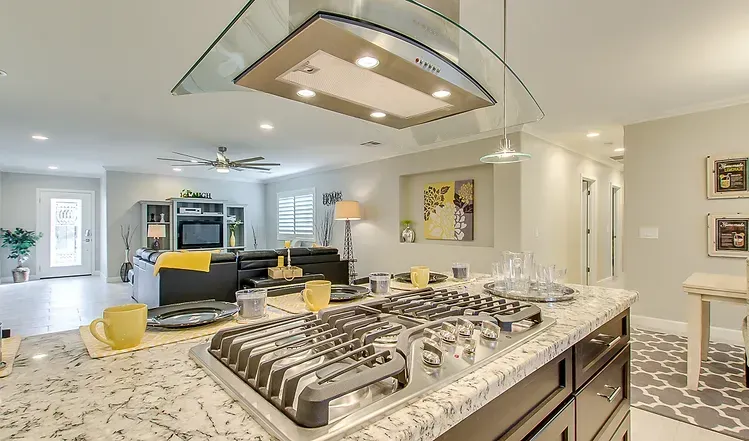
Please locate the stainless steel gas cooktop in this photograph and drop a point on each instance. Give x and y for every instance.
(322, 376)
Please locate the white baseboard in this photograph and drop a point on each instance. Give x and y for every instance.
(96, 273)
(720, 335)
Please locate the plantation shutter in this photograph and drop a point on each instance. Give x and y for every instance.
(296, 215)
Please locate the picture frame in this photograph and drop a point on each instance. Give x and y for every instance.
(728, 176)
(727, 235)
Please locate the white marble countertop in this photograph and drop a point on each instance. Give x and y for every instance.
(57, 391)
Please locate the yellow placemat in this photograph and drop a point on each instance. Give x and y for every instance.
(10, 349)
(156, 337)
(294, 303)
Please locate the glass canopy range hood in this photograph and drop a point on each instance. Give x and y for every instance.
(397, 63)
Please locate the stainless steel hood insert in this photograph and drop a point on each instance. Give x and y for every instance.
(321, 56)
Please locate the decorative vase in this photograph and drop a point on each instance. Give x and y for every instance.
(408, 235)
(126, 267)
(232, 240)
(161, 218)
(21, 274)
(153, 217)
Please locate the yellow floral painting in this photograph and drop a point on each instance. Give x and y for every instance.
(448, 210)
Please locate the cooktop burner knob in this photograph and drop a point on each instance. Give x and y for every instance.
(469, 347)
(433, 336)
(448, 332)
(489, 330)
(431, 355)
(465, 328)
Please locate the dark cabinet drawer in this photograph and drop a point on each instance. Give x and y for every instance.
(516, 413)
(560, 428)
(602, 403)
(594, 351)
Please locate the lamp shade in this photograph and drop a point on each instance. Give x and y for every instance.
(347, 210)
(157, 231)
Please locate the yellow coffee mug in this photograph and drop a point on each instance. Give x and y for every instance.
(420, 276)
(316, 294)
(124, 325)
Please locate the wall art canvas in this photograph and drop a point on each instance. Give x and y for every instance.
(727, 176)
(448, 210)
(727, 235)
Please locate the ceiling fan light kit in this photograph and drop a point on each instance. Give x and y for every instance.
(222, 164)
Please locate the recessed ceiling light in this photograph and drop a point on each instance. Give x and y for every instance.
(3, 73)
(441, 94)
(177, 169)
(367, 62)
(194, 161)
(39, 137)
(53, 167)
(593, 135)
(620, 149)
(306, 93)
(266, 126)
(223, 169)
(378, 114)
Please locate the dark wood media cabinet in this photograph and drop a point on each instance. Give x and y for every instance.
(582, 395)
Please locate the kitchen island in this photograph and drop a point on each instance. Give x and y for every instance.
(57, 391)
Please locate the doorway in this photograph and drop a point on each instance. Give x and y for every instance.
(586, 217)
(615, 227)
(65, 219)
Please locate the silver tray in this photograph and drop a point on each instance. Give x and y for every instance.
(183, 315)
(560, 293)
(343, 293)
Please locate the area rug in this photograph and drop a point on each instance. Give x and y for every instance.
(659, 383)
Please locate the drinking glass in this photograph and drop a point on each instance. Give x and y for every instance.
(545, 277)
(251, 304)
(461, 271)
(518, 268)
(379, 283)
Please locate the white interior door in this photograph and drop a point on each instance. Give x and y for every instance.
(587, 230)
(66, 221)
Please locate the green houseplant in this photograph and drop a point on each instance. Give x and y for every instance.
(20, 242)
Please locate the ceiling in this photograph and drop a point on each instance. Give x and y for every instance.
(95, 77)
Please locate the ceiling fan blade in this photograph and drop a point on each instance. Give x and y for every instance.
(236, 169)
(192, 165)
(191, 156)
(173, 159)
(248, 167)
(256, 158)
(260, 164)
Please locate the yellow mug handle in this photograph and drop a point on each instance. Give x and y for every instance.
(305, 292)
(95, 332)
(415, 278)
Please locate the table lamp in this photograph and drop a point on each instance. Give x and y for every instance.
(156, 232)
(348, 211)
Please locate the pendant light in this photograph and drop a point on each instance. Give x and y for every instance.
(505, 154)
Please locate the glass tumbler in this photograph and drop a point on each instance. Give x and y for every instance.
(379, 283)
(461, 271)
(251, 304)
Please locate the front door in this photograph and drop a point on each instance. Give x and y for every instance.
(65, 218)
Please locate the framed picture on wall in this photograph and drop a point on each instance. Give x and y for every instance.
(727, 235)
(727, 176)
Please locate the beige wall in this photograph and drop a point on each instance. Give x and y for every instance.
(377, 185)
(552, 207)
(666, 188)
(19, 207)
(125, 190)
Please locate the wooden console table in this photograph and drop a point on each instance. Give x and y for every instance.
(701, 289)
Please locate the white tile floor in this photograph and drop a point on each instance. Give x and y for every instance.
(647, 426)
(53, 305)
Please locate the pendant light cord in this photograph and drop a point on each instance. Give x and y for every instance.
(504, 73)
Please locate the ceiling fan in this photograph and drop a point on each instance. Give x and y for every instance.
(222, 164)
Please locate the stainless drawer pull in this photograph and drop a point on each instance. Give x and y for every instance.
(599, 341)
(613, 395)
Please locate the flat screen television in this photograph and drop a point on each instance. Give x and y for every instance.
(200, 234)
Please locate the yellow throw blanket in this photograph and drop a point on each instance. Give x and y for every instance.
(192, 261)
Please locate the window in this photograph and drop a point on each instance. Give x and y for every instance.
(296, 214)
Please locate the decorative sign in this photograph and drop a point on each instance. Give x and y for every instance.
(448, 210)
(194, 194)
(727, 177)
(331, 197)
(727, 235)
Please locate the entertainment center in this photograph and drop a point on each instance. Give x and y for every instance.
(181, 224)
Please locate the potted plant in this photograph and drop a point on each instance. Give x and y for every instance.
(20, 242)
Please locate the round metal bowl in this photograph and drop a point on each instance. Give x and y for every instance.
(560, 293)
